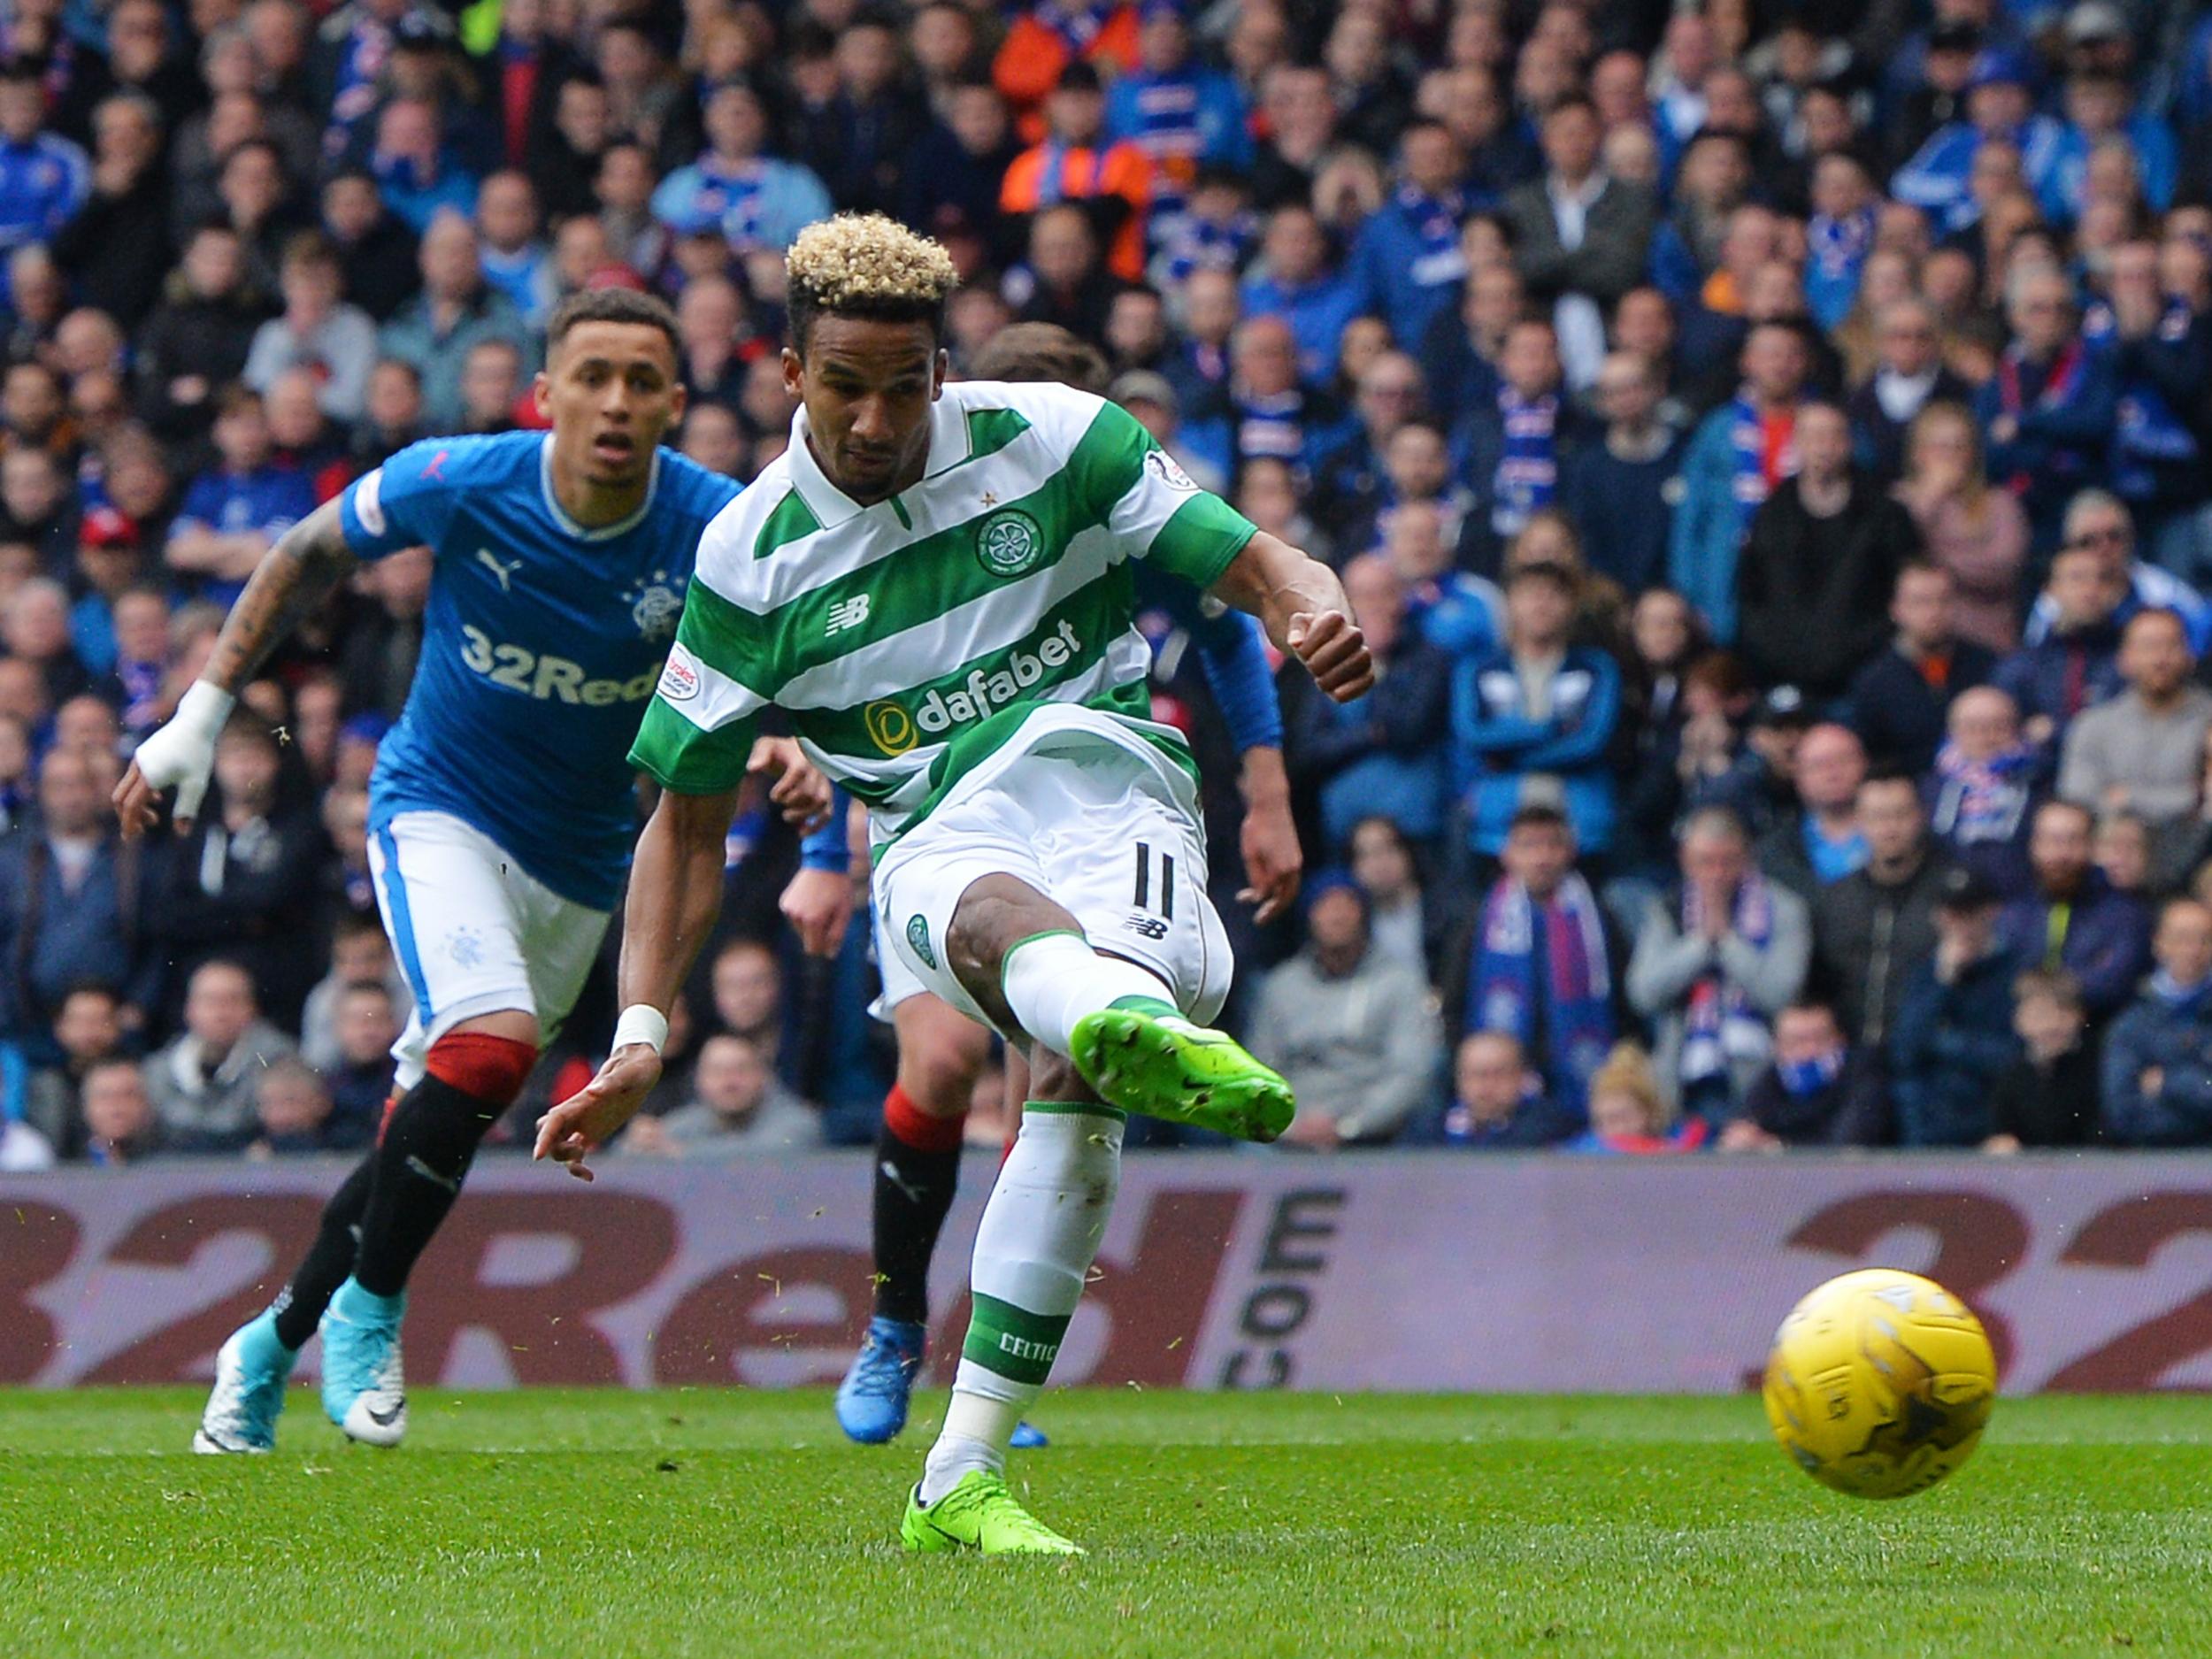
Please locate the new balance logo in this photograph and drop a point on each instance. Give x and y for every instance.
(1148, 926)
(503, 570)
(847, 613)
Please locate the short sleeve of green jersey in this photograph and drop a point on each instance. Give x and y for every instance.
(1150, 504)
(699, 728)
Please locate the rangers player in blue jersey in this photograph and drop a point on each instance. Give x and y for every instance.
(501, 809)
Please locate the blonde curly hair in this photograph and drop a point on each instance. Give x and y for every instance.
(865, 265)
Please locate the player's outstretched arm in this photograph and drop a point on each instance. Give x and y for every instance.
(1301, 606)
(291, 582)
(675, 895)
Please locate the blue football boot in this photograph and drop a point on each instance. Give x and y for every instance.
(364, 1393)
(251, 1370)
(873, 1399)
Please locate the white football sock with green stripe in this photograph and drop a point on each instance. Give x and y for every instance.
(1034, 1249)
(1052, 981)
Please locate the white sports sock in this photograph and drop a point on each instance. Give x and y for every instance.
(1034, 1249)
(1053, 980)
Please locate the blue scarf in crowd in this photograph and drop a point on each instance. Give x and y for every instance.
(1979, 801)
(1754, 481)
(1528, 462)
(1720, 1024)
(1578, 999)
(1836, 252)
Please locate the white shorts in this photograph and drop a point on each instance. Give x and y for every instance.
(898, 984)
(473, 934)
(1094, 820)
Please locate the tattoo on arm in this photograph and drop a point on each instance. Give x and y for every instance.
(290, 585)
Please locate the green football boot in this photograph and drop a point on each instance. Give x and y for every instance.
(978, 1513)
(1163, 1067)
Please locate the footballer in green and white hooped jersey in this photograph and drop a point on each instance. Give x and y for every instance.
(934, 583)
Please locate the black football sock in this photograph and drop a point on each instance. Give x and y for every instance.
(329, 1260)
(914, 1187)
(418, 1168)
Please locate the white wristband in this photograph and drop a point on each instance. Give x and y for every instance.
(204, 709)
(640, 1022)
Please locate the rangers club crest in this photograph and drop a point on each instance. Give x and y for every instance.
(656, 606)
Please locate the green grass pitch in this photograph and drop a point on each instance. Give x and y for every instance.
(734, 1522)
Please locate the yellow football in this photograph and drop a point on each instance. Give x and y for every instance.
(1880, 1383)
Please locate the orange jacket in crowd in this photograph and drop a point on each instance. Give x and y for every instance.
(1034, 52)
(1086, 175)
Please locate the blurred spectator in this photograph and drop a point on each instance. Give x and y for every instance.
(1910, 378)
(1821, 1089)
(1383, 752)
(756, 200)
(1079, 162)
(1354, 1033)
(203, 1084)
(456, 309)
(514, 255)
(1402, 925)
(35, 628)
(1901, 698)
(379, 251)
(78, 905)
(118, 245)
(293, 1115)
(1629, 1114)
(1739, 454)
(1046, 37)
(2076, 664)
(1407, 261)
(1976, 534)
(1579, 234)
(1539, 959)
(361, 1078)
(120, 1125)
(2000, 107)
(1985, 779)
(1870, 927)
(2070, 920)
(317, 331)
(1296, 280)
(1534, 722)
(45, 179)
(1064, 281)
(1820, 841)
(2048, 1097)
(359, 955)
(2160, 355)
(2098, 522)
(1953, 1033)
(233, 515)
(2157, 1088)
(747, 987)
(1498, 1102)
(2048, 414)
(2143, 751)
(1459, 351)
(244, 881)
(87, 1028)
(1716, 959)
(1512, 448)
(737, 1108)
(1814, 577)
(1621, 489)
(196, 341)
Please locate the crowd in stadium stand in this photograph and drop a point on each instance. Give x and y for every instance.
(1765, 445)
